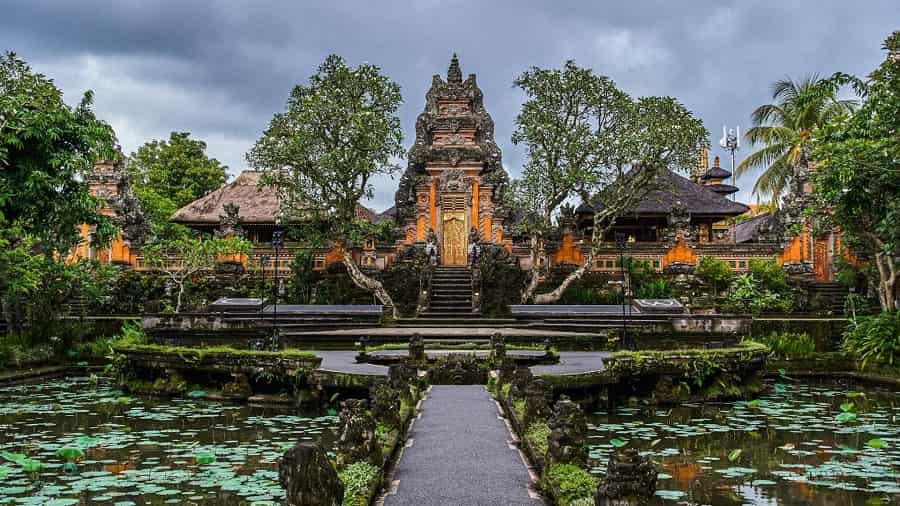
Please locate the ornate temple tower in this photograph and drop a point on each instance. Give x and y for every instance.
(454, 182)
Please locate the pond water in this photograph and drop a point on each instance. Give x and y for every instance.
(93, 445)
(799, 444)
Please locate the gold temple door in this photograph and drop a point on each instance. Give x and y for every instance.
(453, 238)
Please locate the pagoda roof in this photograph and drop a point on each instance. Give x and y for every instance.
(716, 173)
(258, 204)
(671, 189)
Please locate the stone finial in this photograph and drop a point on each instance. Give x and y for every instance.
(568, 434)
(630, 480)
(308, 477)
(385, 404)
(454, 74)
(537, 401)
(498, 348)
(357, 441)
(417, 348)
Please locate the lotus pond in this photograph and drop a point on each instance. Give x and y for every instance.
(801, 443)
(80, 441)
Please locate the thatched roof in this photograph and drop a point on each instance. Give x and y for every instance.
(258, 205)
(671, 188)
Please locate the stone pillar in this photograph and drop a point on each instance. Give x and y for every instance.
(498, 349)
(537, 401)
(357, 441)
(566, 443)
(417, 349)
(308, 477)
(385, 404)
(630, 480)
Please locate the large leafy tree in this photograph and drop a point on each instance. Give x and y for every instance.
(857, 174)
(182, 258)
(46, 149)
(783, 129)
(563, 123)
(338, 132)
(586, 137)
(168, 174)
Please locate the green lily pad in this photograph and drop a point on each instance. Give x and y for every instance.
(735, 455)
(617, 443)
(70, 453)
(877, 443)
(203, 458)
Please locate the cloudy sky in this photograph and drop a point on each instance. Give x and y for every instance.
(221, 69)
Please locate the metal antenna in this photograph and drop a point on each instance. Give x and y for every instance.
(731, 140)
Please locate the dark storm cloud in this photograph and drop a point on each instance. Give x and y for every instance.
(220, 70)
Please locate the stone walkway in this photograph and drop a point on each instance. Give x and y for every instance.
(570, 362)
(573, 362)
(460, 454)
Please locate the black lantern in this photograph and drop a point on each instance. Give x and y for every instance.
(277, 244)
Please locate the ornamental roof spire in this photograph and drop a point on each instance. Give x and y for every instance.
(454, 74)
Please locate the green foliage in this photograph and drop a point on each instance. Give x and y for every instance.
(184, 257)
(714, 272)
(874, 339)
(571, 483)
(857, 176)
(537, 434)
(788, 344)
(656, 289)
(360, 480)
(783, 129)
(169, 174)
(46, 149)
(763, 289)
(301, 282)
(502, 280)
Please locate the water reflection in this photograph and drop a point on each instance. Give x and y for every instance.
(146, 451)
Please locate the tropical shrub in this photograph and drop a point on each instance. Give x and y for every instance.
(570, 482)
(763, 289)
(537, 435)
(656, 289)
(788, 344)
(502, 280)
(714, 272)
(359, 480)
(874, 339)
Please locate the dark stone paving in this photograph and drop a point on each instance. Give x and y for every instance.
(570, 362)
(572, 310)
(345, 361)
(460, 455)
(479, 353)
(573, 362)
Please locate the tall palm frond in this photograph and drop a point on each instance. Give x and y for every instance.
(783, 128)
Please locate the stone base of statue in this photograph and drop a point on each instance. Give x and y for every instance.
(309, 478)
(630, 480)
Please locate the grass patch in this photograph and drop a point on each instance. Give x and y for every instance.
(788, 344)
(569, 483)
(200, 353)
(536, 435)
(361, 480)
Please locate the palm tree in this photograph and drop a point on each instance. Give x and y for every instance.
(783, 129)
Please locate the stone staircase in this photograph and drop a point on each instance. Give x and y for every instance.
(451, 294)
(832, 295)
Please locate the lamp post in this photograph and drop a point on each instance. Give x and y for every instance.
(621, 244)
(263, 260)
(277, 243)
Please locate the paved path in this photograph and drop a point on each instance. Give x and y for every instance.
(460, 455)
(440, 353)
(570, 362)
(427, 332)
(573, 362)
(345, 361)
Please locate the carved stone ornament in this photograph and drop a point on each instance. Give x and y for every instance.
(230, 222)
(417, 348)
(537, 401)
(385, 404)
(357, 441)
(630, 480)
(454, 180)
(568, 434)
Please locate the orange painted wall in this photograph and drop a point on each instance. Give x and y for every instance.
(679, 253)
(432, 204)
(568, 252)
(475, 204)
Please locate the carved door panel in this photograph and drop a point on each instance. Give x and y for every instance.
(820, 260)
(453, 238)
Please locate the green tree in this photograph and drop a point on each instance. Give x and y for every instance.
(857, 176)
(586, 137)
(714, 272)
(337, 133)
(46, 149)
(563, 123)
(169, 174)
(184, 257)
(784, 128)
